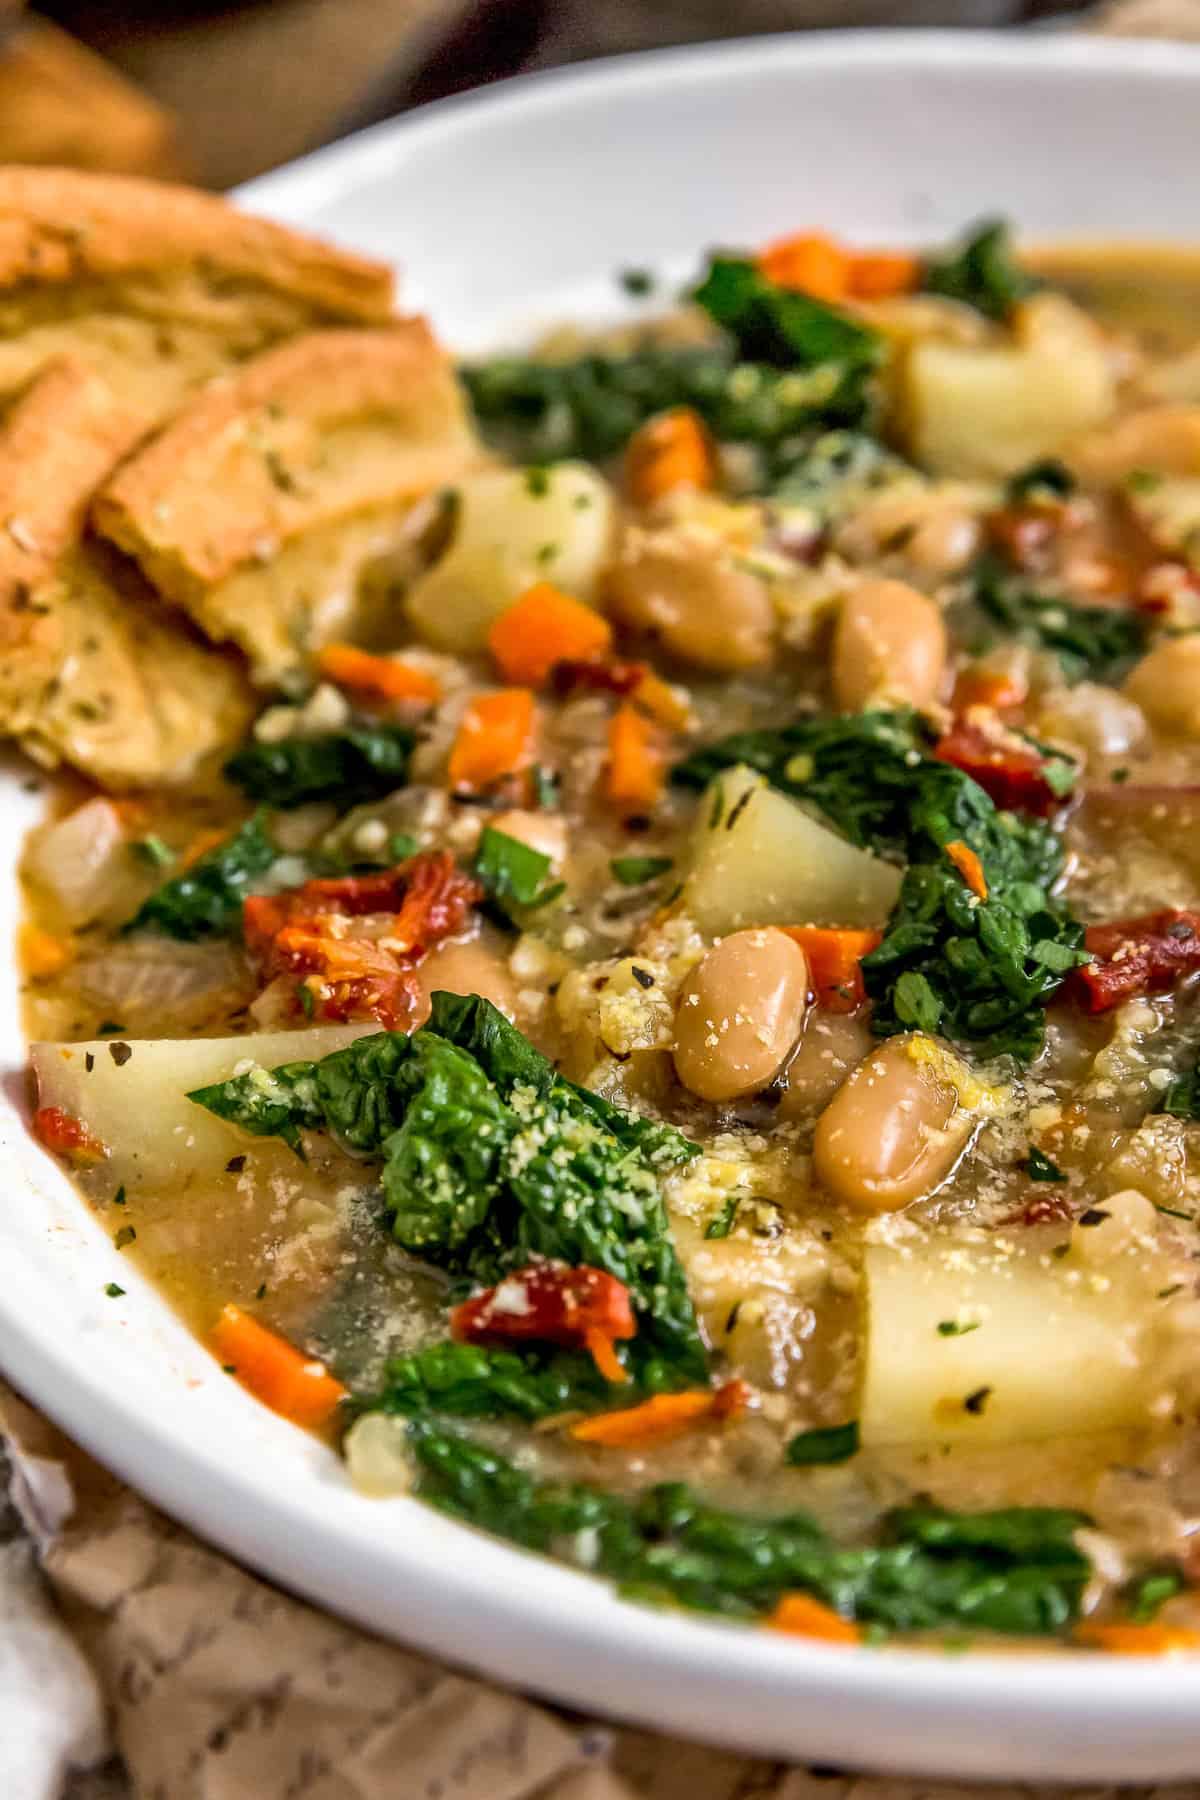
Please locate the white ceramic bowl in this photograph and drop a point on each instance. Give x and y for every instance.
(501, 208)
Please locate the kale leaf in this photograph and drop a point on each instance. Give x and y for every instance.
(1017, 1571)
(361, 763)
(474, 1381)
(824, 1444)
(1182, 1098)
(981, 271)
(513, 872)
(206, 900)
(783, 327)
(1094, 641)
(977, 970)
(490, 1158)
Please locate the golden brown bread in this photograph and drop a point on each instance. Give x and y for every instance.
(93, 671)
(290, 461)
(159, 288)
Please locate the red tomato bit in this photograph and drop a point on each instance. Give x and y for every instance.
(1012, 772)
(580, 1308)
(1137, 956)
(66, 1135)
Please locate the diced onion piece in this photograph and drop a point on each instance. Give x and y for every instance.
(84, 863)
(377, 1456)
(759, 858)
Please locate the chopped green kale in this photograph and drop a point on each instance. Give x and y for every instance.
(1149, 1592)
(1017, 1571)
(981, 271)
(980, 971)
(1092, 641)
(206, 900)
(1182, 1098)
(783, 327)
(514, 872)
(361, 763)
(638, 871)
(824, 1444)
(1040, 1167)
(474, 1381)
(491, 1158)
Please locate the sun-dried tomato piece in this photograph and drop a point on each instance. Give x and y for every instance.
(580, 1308)
(1137, 956)
(1015, 775)
(607, 677)
(66, 1135)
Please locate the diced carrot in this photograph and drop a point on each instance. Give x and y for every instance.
(1127, 1639)
(42, 953)
(382, 676)
(802, 1616)
(133, 814)
(275, 1372)
(809, 261)
(543, 628)
(662, 1417)
(494, 739)
(878, 274)
(602, 1350)
(967, 862)
(661, 700)
(66, 1135)
(672, 450)
(834, 955)
(201, 844)
(994, 688)
(635, 764)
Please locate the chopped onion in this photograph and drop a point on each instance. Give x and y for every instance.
(377, 1456)
(83, 863)
(150, 974)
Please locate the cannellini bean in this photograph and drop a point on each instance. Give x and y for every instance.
(936, 533)
(832, 1045)
(1166, 685)
(889, 644)
(1095, 718)
(545, 832)
(740, 1013)
(472, 966)
(891, 1134)
(696, 602)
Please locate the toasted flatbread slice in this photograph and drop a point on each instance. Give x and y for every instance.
(93, 670)
(249, 506)
(157, 287)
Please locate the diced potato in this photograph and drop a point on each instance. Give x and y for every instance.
(989, 411)
(132, 1094)
(512, 530)
(995, 1342)
(758, 858)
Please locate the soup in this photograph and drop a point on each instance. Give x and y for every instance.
(675, 1038)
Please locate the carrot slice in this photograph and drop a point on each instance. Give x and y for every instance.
(66, 1135)
(542, 628)
(802, 1616)
(809, 261)
(382, 676)
(635, 764)
(601, 1349)
(663, 1417)
(834, 954)
(275, 1372)
(988, 687)
(969, 867)
(661, 700)
(1127, 1639)
(201, 844)
(670, 451)
(494, 739)
(879, 274)
(42, 953)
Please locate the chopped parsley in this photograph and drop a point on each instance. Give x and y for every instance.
(154, 851)
(1182, 1097)
(981, 271)
(1039, 1167)
(951, 1328)
(114, 1290)
(637, 282)
(638, 871)
(723, 1224)
(513, 871)
(1091, 641)
(824, 1444)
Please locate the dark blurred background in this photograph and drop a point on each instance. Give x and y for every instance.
(219, 93)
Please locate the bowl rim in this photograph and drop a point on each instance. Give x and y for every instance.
(546, 1627)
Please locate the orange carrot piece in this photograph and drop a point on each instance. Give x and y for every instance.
(1127, 1639)
(878, 274)
(969, 867)
(542, 628)
(635, 764)
(382, 676)
(670, 451)
(41, 952)
(988, 687)
(275, 1372)
(663, 1417)
(811, 262)
(495, 738)
(834, 954)
(602, 1351)
(661, 700)
(201, 844)
(66, 1135)
(802, 1616)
